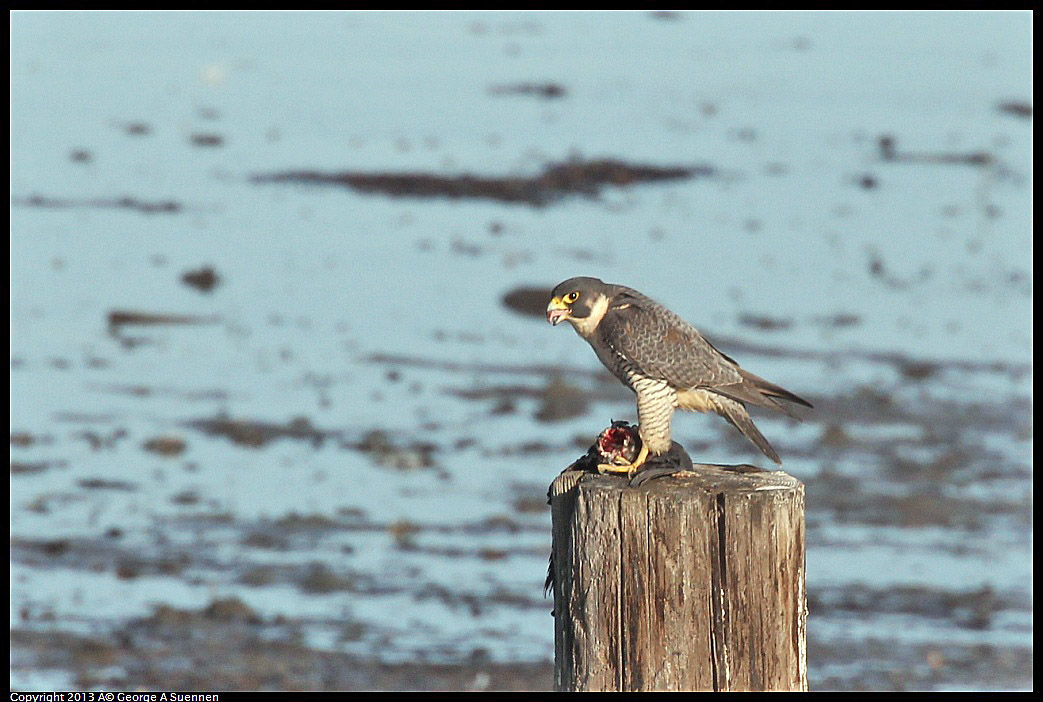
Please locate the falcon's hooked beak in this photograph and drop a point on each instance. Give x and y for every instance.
(557, 311)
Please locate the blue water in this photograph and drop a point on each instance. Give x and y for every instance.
(785, 107)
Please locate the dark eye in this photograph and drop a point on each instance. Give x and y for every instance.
(572, 297)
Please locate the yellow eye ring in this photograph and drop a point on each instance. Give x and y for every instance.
(571, 297)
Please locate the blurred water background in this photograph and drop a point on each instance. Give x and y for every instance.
(284, 406)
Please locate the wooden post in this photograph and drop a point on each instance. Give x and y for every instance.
(689, 582)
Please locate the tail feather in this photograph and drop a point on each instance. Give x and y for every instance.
(750, 392)
(768, 388)
(739, 418)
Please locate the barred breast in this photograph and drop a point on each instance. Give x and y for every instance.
(655, 399)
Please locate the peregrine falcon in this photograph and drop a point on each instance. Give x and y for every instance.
(665, 361)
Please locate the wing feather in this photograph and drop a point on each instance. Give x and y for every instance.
(661, 345)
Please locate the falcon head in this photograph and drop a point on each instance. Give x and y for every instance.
(581, 301)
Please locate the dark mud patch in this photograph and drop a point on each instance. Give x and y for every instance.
(528, 301)
(168, 446)
(764, 322)
(33, 467)
(101, 441)
(537, 369)
(125, 318)
(968, 609)
(320, 578)
(918, 370)
(522, 449)
(294, 523)
(557, 181)
(202, 279)
(845, 500)
(841, 320)
(476, 605)
(934, 418)
(136, 128)
(257, 434)
(206, 140)
(81, 156)
(867, 181)
(102, 555)
(557, 398)
(529, 498)
(147, 391)
(295, 531)
(149, 207)
(888, 149)
(1016, 108)
(104, 484)
(386, 452)
(25, 439)
(546, 91)
(120, 320)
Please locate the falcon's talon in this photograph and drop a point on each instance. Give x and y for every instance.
(629, 469)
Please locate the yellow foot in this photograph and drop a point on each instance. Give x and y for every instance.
(628, 469)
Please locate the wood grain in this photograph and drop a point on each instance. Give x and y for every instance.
(691, 582)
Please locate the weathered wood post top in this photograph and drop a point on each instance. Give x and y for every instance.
(688, 582)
